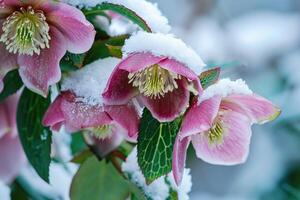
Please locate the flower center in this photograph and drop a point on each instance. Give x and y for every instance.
(26, 32)
(102, 132)
(154, 81)
(215, 134)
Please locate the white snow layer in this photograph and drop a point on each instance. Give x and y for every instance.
(164, 45)
(158, 189)
(225, 87)
(89, 82)
(4, 191)
(146, 10)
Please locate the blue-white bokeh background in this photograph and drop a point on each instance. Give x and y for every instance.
(259, 41)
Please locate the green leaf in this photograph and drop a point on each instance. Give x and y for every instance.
(209, 77)
(100, 48)
(12, 83)
(122, 10)
(36, 139)
(71, 62)
(98, 180)
(155, 146)
(115, 51)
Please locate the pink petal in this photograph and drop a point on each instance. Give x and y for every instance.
(8, 62)
(200, 117)
(179, 68)
(8, 110)
(259, 109)
(105, 146)
(78, 32)
(12, 157)
(179, 157)
(170, 106)
(80, 115)
(139, 61)
(118, 91)
(234, 148)
(60, 8)
(38, 72)
(54, 115)
(126, 117)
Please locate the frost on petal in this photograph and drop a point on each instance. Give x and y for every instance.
(233, 148)
(200, 118)
(171, 105)
(38, 72)
(259, 109)
(80, 115)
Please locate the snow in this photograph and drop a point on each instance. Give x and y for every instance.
(146, 10)
(4, 191)
(164, 45)
(225, 87)
(185, 187)
(158, 189)
(89, 82)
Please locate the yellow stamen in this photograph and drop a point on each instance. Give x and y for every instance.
(25, 32)
(154, 81)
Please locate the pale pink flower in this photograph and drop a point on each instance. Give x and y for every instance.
(219, 126)
(35, 35)
(108, 125)
(12, 157)
(162, 84)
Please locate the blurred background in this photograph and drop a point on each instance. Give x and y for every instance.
(258, 41)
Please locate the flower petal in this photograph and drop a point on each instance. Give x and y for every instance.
(200, 117)
(179, 68)
(38, 72)
(54, 115)
(234, 147)
(78, 32)
(12, 157)
(80, 115)
(126, 117)
(170, 106)
(179, 157)
(118, 91)
(259, 109)
(139, 61)
(107, 145)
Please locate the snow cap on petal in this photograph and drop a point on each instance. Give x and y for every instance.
(165, 45)
(89, 82)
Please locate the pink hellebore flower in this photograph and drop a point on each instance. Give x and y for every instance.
(107, 124)
(160, 82)
(12, 157)
(35, 35)
(219, 127)
(80, 107)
